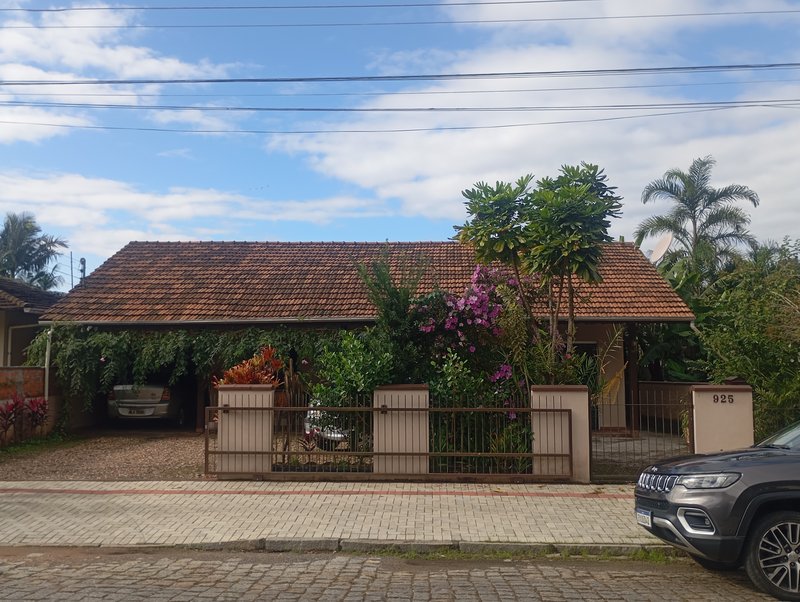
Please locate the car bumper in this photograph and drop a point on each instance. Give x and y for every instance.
(668, 527)
(140, 412)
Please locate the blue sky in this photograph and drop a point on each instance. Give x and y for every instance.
(100, 188)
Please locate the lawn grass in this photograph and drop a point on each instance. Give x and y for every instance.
(38, 445)
(653, 555)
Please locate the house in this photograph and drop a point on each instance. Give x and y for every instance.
(21, 305)
(236, 284)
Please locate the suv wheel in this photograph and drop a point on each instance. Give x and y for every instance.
(773, 555)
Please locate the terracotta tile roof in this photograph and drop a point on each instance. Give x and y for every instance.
(18, 295)
(162, 282)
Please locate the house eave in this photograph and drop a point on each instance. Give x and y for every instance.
(216, 321)
(321, 320)
(640, 319)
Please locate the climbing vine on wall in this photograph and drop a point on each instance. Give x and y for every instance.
(88, 361)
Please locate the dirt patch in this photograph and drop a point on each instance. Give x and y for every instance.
(117, 455)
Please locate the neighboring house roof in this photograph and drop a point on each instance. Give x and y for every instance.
(19, 295)
(239, 282)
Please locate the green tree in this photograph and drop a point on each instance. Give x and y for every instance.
(497, 226)
(704, 221)
(568, 223)
(393, 293)
(750, 332)
(27, 254)
(552, 232)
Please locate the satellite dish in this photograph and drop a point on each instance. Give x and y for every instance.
(662, 246)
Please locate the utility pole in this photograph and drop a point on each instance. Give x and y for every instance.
(71, 272)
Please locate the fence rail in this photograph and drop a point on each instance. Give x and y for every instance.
(362, 443)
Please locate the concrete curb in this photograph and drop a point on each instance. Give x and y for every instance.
(382, 545)
(371, 546)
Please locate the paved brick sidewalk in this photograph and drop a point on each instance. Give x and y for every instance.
(76, 513)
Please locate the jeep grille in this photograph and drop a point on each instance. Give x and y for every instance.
(656, 482)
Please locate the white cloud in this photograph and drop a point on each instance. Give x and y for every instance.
(100, 49)
(95, 214)
(195, 118)
(38, 53)
(425, 171)
(32, 125)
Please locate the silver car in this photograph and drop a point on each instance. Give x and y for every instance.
(320, 430)
(145, 402)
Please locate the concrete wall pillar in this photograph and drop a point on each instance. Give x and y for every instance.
(723, 417)
(557, 440)
(240, 430)
(401, 432)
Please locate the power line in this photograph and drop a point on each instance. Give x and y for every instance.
(360, 131)
(253, 7)
(423, 77)
(412, 23)
(487, 109)
(385, 93)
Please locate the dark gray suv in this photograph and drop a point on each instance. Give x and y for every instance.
(732, 508)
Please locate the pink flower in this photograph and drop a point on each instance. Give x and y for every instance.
(472, 348)
(503, 372)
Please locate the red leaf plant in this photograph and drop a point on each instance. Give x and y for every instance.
(261, 369)
(37, 410)
(10, 413)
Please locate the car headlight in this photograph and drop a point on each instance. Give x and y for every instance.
(709, 481)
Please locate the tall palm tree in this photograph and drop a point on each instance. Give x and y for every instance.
(704, 221)
(27, 254)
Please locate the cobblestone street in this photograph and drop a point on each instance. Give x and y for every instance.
(94, 574)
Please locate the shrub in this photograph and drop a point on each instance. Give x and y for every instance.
(37, 411)
(10, 413)
(261, 369)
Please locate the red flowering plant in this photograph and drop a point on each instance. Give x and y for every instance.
(37, 411)
(261, 369)
(10, 413)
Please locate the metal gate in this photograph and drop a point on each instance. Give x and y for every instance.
(627, 438)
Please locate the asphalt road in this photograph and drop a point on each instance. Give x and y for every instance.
(153, 575)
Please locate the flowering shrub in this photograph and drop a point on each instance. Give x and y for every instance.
(261, 369)
(10, 413)
(503, 373)
(468, 320)
(37, 411)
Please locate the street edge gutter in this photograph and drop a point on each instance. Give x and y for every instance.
(383, 546)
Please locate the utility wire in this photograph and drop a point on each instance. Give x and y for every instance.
(359, 131)
(388, 93)
(177, 8)
(423, 77)
(490, 109)
(412, 23)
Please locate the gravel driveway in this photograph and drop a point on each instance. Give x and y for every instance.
(112, 455)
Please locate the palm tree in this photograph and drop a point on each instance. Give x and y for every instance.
(26, 254)
(704, 221)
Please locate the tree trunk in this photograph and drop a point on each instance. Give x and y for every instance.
(570, 316)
